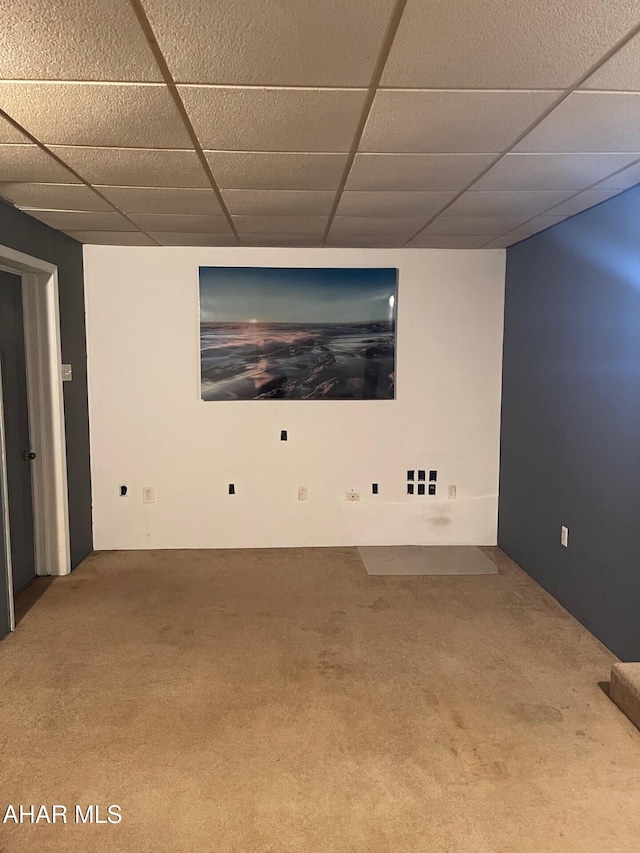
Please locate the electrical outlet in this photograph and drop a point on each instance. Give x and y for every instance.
(303, 493)
(353, 496)
(148, 495)
(452, 493)
(564, 536)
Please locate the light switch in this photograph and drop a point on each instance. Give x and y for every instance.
(67, 373)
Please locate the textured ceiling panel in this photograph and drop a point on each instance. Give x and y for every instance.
(31, 164)
(135, 167)
(80, 220)
(281, 240)
(407, 204)
(278, 202)
(252, 42)
(162, 200)
(429, 241)
(589, 121)
(505, 203)
(623, 180)
(267, 170)
(181, 238)
(53, 196)
(366, 226)
(91, 114)
(473, 225)
(273, 119)
(8, 133)
(73, 40)
(362, 241)
(511, 44)
(307, 225)
(449, 122)
(621, 72)
(582, 201)
(504, 242)
(540, 223)
(552, 171)
(414, 172)
(176, 222)
(112, 238)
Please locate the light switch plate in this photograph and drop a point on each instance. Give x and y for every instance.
(67, 373)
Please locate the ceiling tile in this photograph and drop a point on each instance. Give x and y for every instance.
(93, 114)
(589, 121)
(497, 44)
(162, 200)
(291, 42)
(363, 241)
(505, 203)
(407, 204)
(450, 122)
(52, 196)
(177, 222)
(459, 226)
(81, 220)
(75, 40)
(307, 225)
(269, 170)
(183, 238)
(621, 72)
(366, 226)
(623, 180)
(31, 164)
(278, 202)
(582, 201)
(419, 172)
(8, 134)
(551, 171)
(284, 240)
(505, 242)
(273, 119)
(112, 238)
(537, 224)
(135, 167)
(429, 241)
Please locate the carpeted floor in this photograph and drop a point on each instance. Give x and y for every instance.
(283, 701)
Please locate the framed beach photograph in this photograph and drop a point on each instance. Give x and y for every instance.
(297, 334)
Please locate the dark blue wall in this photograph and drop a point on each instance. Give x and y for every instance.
(570, 440)
(25, 234)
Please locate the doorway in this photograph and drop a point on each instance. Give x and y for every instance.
(34, 524)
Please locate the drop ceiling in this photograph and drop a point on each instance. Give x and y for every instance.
(367, 123)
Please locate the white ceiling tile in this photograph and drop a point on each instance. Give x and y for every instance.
(284, 240)
(407, 204)
(366, 226)
(537, 224)
(505, 203)
(31, 164)
(273, 119)
(429, 241)
(363, 241)
(623, 180)
(93, 114)
(307, 225)
(134, 167)
(450, 122)
(81, 220)
(162, 200)
(419, 172)
(271, 170)
(505, 242)
(53, 196)
(8, 134)
(112, 238)
(291, 42)
(582, 201)
(551, 171)
(621, 72)
(183, 238)
(497, 44)
(460, 226)
(589, 121)
(176, 222)
(74, 40)
(278, 202)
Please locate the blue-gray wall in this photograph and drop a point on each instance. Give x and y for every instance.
(570, 441)
(25, 234)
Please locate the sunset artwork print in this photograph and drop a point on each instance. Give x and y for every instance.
(297, 334)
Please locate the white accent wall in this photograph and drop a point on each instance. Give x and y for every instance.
(149, 426)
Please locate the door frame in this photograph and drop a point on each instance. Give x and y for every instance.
(43, 353)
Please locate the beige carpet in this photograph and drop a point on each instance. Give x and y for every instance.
(425, 560)
(285, 702)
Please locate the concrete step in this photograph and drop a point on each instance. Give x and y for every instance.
(624, 689)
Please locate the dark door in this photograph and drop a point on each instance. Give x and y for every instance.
(16, 422)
